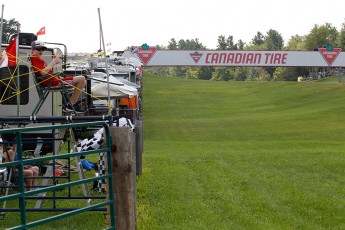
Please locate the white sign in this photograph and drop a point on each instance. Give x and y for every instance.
(243, 58)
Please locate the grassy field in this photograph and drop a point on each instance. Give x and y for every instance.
(87, 220)
(234, 155)
(242, 155)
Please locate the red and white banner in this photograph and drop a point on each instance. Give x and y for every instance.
(9, 55)
(321, 58)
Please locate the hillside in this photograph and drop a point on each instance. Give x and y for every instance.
(239, 155)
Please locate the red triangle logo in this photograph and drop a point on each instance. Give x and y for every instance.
(329, 55)
(146, 54)
(196, 56)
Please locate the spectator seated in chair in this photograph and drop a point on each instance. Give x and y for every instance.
(30, 172)
(44, 71)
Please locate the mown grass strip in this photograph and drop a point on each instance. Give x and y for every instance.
(239, 155)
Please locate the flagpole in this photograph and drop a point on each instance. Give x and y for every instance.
(17, 68)
(2, 17)
(105, 56)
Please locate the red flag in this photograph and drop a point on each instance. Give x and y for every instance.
(9, 55)
(42, 31)
(139, 69)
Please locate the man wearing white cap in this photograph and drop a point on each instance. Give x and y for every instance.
(44, 71)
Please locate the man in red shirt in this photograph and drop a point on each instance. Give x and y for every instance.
(44, 71)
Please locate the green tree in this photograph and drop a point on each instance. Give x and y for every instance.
(341, 38)
(227, 44)
(230, 42)
(321, 36)
(258, 39)
(240, 44)
(240, 74)
(180, 71)
(9, 27)
(222, 74)
(192, 44)
(257, 74)
(296, 43)
(257, 43)
(280, 73)
(273, 40)
(205, 72)
(192, 72)
(172, 44)
(289, 73)
(222, 45)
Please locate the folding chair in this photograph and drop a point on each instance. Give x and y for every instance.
(8, 177)
(43, 91)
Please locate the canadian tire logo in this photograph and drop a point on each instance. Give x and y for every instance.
(145, 55)
(196, 56)
(329, 54)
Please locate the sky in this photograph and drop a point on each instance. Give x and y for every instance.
(133, 23)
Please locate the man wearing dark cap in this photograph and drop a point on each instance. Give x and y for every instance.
(44, 72)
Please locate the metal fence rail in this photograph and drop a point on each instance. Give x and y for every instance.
(23, 195)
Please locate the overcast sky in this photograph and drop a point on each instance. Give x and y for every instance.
(155, 22)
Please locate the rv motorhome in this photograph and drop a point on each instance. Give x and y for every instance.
(18, 94)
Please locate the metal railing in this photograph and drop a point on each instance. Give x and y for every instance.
(21, 195)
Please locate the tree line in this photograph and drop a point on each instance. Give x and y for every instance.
(319, 36)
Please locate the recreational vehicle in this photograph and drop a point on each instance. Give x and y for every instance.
(19, 98)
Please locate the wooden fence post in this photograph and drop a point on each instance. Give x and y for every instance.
(123, 178)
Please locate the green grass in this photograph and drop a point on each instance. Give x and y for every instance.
(88, 220)
(234, 155)
(242, 155)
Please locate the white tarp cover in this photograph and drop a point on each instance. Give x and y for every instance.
(97, 77)
(126, 82)
(100, 90)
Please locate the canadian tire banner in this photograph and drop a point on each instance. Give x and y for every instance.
(321, 58)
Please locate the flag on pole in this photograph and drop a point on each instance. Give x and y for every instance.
(134, 50)
(9, 55)
(42, 31)
(108, 48)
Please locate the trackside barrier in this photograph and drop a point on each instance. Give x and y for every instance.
(22, 196)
